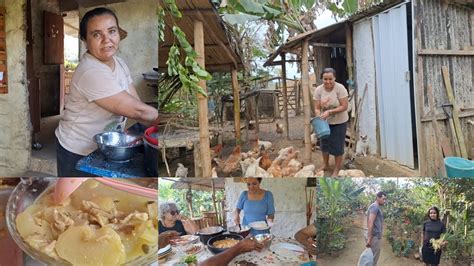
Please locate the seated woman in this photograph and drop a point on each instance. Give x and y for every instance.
(307, 237)
(257, 204)
(170, 220)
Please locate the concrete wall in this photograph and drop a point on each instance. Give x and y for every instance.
(364, 63)
(140, 48)
(289, 197)
(15, 136)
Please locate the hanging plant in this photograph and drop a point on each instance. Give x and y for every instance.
(189, 73)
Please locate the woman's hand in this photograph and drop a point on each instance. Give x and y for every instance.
(237, 219)
(326, 114)
(165, 238)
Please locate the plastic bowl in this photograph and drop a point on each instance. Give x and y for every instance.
(458, 167)
(118, 146)
(25, 194)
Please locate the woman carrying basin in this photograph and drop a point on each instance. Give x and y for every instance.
(101, 96)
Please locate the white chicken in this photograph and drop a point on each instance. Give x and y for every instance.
(266, 144)
(181, 171)
(306, 171)
(351, 173)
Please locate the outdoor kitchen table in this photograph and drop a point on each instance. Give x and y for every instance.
(265, 257)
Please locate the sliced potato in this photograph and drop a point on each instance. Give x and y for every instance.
(82, 245)
(28, 223)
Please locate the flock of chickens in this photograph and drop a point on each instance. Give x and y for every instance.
(257, 162)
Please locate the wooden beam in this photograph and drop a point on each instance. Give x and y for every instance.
(218, 41)
(446, 52)
(457, 124)
(332, 45)
(210, 46)
(285, 96)
(205, 149)
(236, 90)
(306, 99)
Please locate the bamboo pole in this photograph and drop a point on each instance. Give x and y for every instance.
(285, 95)
(236, 89)
(214, 198)
(205, 150)
(306, 99)
(349, 62)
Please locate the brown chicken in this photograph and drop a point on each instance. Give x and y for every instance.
(265, 162)
(232, 163)
(216, 151)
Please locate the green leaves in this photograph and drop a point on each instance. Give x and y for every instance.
(160, 14)
(173, 9)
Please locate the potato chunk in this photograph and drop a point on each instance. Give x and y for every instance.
(82, 245)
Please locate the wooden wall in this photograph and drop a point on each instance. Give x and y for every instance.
(443, 37)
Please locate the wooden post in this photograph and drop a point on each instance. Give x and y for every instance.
(306, 99)
(349, 62)
(285, 95)
(236, 90)
(189, 200)
(202, 104)
(214, 198)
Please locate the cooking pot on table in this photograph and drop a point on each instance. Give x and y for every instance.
(243, 230)
(206, 233)
(214, 250)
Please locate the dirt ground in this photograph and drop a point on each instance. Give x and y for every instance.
(370, 165)
(356, 244)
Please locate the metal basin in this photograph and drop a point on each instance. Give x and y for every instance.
(118, 146)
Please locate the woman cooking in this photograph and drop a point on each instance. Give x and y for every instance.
(257, 205)
(330, 103)
(170, 220)
(101, 94)
(432, 228)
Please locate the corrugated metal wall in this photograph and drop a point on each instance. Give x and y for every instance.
(393, 86)
(438, 26)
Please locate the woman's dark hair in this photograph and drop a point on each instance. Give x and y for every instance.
(436, 210)
(328, 70)
(90, 14)
(259, 179)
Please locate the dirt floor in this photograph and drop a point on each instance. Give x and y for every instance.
(356, 244)
(370, 165)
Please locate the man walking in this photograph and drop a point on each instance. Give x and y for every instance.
(375, 225)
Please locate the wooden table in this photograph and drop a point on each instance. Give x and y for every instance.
(265, 257)
(182, 139)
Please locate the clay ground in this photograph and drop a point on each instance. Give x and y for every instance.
(370, 165)
(355, 245)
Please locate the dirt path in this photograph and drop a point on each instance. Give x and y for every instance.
(356, 244)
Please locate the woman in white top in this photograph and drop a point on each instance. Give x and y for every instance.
(331, 101)
(101, 95)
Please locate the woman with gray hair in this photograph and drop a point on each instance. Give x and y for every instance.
(171, 220)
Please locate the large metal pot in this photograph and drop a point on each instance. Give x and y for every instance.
(243, 230)
(206, 233)
(118, 146)
(214, 250)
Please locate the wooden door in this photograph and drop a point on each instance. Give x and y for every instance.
(53, 32)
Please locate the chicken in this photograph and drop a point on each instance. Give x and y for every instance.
(181, 171)
(275, 169)
(254, 170)
(213, 172)
(216, 151)
(290, 156)
(306, 171)
(265, 162)
(351, 173)
(291, 169)
(283, 153)
(266, 144)
(279, 128)
(232, 162)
